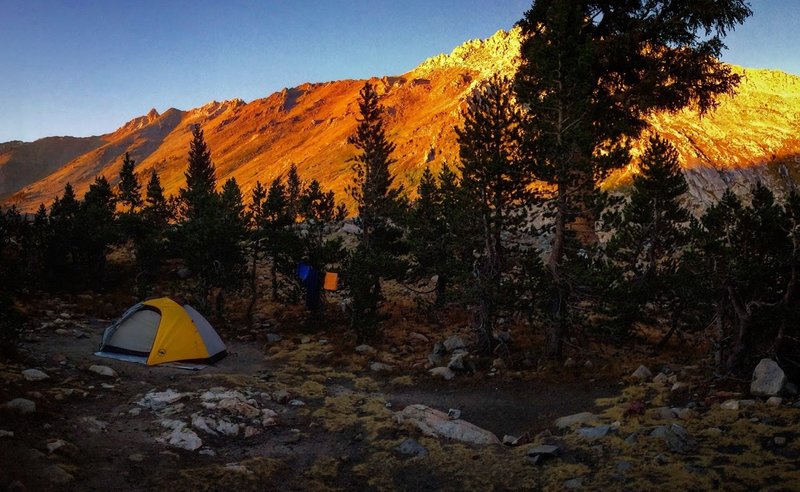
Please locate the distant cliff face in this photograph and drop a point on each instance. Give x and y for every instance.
(750, 137)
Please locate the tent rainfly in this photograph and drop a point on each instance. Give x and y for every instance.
(161, 330)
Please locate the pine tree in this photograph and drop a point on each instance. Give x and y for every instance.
(497, 179)
(98, 221)
(229, 265)
(62, 250)
(591, 74)
(378, 203)
(156, 211)
(129, 191)
(256, 244)
(294, 190)
(200, 193)
(651, 233)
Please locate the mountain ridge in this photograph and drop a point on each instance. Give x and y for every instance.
(744, 140)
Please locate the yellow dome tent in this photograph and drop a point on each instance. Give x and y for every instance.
(158, 331)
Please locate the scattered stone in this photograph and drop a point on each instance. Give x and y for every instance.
(183, 273)
(642, 374)
(57, 475)
(305, 340)
(436, 359)
(540, 453)
(453, 343)
(570, 362)
(711, 432)
(34, 375)
(411, 447)
(779, 441)
(498, 364)
(730, 405)
(297, 403)
(5, 433)
(680, 387)
(184, 438)
(136, 457)
(747, 403)
(273, 338)
(351, 228)
(454, 413)
(269, 418)
(660, 378)
(676, 437)
(685, 413)
(227, 428)
(281, 396)
(663, 413)
(435, 423)
(418, 336)
(774, 401)
(594, 433)
(588, 364)
(21, 405)
(661, 459)
(365, 349)
(510, 440)
(62, 447)
(632, 439)
(103, 371)
(768, 379)
(443, 372)
(573, 483)
(237, 468)
(583, 418)
(459, 362)
(93, 424)
(238, 407)
(381, 367)
(207, 452)
(672, 379)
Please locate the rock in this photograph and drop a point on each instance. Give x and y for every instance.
(642, 374)
(498, 364)
(364, 349)
(774, 401)
(570, 362)
(281, 396)
(768, 379)
(510, 440)
(204, 424)
(588, 364)
(136, 457)
(459, 362)
(436, 359)
(453, 343)
(103, 371)
(444, 372)
(184, 438)
(660, 378)
(411, 447)
(57, 475)
(21, 405)
(623, 466)
(537, 454)
(435, 423)
(156, 400)
(583, 418)
(226, 428)
(679, 387)
(381, 367)
(779, 441)
(269, 417)
(632, 439)
(93, 424)
(62, 447)
(5, 433)
(454, 413)
(34, 375)
(730, 405)
(685, 413)
(184, 273)
(573, 483)
(418, 336)
(676, 438)
(273, 338)
(297, 403)
(593, 433)
(238, 407)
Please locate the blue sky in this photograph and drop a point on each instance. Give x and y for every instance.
(85, 67)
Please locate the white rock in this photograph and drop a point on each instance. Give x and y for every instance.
(269, 417)
(5, 433)
(660, 378)
(768, 379)
(239, 407)
(351, 229)
(730, 405)
(381, 367)
(583, 418)
(680, 386)
(204, 424)
(184, 439)
(443, 372)
(21, 405)
(34, 375)
(435, 423)
(364, 349)
(642, 374)
(227, 428)
(103, 371)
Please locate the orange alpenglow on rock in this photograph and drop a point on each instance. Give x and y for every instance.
(331, 281)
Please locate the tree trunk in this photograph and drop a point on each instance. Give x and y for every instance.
(555, 330)
(253, 290)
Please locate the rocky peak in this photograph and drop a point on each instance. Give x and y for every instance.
(496, 54)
